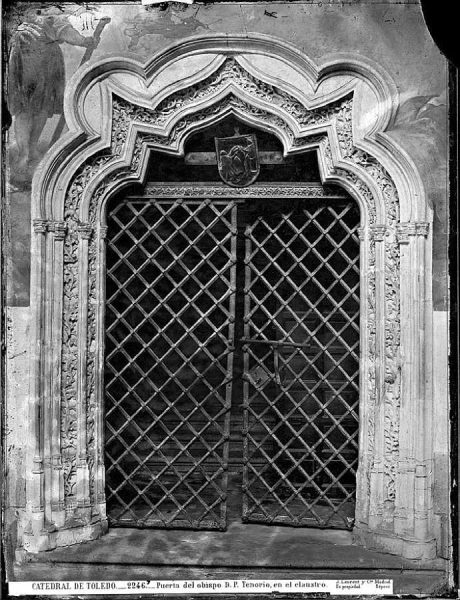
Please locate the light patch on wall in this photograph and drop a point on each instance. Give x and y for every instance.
(365, 110)
(85, 20)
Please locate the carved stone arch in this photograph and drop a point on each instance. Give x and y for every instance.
(65, 492)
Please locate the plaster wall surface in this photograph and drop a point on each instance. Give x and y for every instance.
(17, 400)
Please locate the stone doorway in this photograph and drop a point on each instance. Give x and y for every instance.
(69, 220)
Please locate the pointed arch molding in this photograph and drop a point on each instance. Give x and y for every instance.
(65, 489)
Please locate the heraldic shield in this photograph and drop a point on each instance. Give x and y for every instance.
(238, 159)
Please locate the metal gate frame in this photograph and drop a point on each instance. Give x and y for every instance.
(282, 500)
(180, 469)
(221, 524)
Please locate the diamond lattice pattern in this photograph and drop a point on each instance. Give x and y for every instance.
(301, 346)
(170, 292)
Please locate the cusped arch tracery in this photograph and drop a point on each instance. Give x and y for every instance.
(166, 126)
(135, 132)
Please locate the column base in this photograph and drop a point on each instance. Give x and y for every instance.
(49, 540)
(404, 546)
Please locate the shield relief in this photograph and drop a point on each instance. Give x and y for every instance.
(238, 159)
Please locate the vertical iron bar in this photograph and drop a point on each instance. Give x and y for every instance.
(246, 329)
(230, 360)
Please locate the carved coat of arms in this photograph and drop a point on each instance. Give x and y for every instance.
(238, 159)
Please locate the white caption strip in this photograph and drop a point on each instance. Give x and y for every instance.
(203, 586)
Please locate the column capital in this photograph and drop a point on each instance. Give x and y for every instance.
(422, 229)
(378, 232)
(59, 229)
(361, 233)
(410, 229)
(84, 231)
(40, 225)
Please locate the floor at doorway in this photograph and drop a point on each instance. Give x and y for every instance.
(242, 545)
(243, 551)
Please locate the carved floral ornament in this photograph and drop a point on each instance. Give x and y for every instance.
(93, 170)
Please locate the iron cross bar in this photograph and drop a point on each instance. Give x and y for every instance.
(275, 345)
(274, 342)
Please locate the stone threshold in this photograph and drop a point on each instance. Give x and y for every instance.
(242, 552)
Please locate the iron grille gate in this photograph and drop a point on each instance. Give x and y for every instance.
(301, 344)
(179, 273)
(170, 306)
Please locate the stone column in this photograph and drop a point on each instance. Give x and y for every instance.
(99, 464)
(377, 478)
(35, 534)
(82, 479)
(56, 483)
(366, 323)
(413, 496)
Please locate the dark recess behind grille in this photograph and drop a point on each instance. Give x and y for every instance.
(300, 167)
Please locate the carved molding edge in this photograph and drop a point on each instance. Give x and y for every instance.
(160, 190)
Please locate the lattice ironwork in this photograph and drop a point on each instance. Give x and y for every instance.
(170, 292)
(173, 292)
(301, 346)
